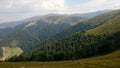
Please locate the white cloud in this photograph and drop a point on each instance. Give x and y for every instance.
(57, 6)
(26, 1)
(20, 9)
(95, 5)
(27, 8)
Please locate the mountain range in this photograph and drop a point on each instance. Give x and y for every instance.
(57, 37)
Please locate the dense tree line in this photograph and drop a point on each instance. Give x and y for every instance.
(75, 46)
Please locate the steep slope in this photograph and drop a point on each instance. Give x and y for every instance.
(88, 24)
(30, 34)
(79, 45)
(110, 27)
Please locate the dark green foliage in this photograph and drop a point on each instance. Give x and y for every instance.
(76, 46)
(77, 28)
(31, 37)
(5, 31)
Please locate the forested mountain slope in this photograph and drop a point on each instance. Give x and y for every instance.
(63, 38)
(31, 34)
(81, 45)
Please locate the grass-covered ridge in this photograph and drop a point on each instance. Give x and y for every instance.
(107, 61)
(110, 27)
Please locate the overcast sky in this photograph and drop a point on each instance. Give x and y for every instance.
(12, 10)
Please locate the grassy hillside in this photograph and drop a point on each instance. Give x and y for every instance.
(9, 52)
(110, 27)
(107, 61)
(89, 24)
(29, 35)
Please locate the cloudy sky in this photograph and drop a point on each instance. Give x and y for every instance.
(12, 10)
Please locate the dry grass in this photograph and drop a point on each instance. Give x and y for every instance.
(108, 61)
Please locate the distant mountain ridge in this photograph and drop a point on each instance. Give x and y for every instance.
(92, 14)
(15, 23)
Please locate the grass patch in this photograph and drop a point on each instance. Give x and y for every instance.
(9, 52)
(110, 27)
